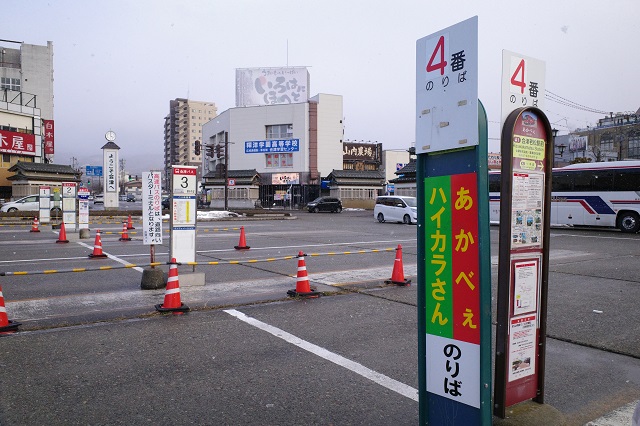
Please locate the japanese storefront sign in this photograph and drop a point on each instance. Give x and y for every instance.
(452, 288)
(151, 208)
(272, 145)
(362, 151)
(285, 178)
(48, 136)
(447, 88)
(523, 82)
(17, 143)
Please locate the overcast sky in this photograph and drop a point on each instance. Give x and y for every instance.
(117, 64)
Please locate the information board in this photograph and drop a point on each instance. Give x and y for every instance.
(527, 154)
(69, 205)
(45, 204)
(151, 208)
(454, 265)
(183, 213)
(83, 208)
(447, 88)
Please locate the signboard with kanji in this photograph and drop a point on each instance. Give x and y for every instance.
(527, 157)
(48, 136)
(272, 145)
(453, 299)
(17, 143)
(69, 190)
(447, 88)
(151, 208)
(183, 213)
(523, 82)
(454, 265)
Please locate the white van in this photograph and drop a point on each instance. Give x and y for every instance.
(393, 208)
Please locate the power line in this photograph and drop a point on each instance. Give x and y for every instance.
(571, 104)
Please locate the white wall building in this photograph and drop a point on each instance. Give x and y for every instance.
(291, 146)
(392, 161)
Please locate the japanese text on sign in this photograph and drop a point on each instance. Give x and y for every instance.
(152, 208)
(279, 145)
(447, 88)
(111, 172)
(17, 143)
(452, 274)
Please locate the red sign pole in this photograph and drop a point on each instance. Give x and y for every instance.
(525, 200)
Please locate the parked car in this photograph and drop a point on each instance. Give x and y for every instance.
(28, 203)
(394, 208)
(122, 197)
(131, 198)
(98, 199)
(325, 204)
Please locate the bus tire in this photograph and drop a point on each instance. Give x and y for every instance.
(629, 222)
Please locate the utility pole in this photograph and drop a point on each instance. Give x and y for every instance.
(226, 171)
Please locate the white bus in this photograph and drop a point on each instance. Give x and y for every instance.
(588, 194)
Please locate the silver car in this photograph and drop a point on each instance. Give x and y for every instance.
(30, 203)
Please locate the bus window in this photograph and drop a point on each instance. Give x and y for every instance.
(494, 182)
(561, 181)
(602, 180)
(582, 181)
(627, 180)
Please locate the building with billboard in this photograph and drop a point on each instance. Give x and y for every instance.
(183, 131)
(271, 86)
(289, 146)
(26, 107)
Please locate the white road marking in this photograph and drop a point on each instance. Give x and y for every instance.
(112, 257)
(357, 368)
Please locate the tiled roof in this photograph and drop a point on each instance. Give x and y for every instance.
(234, 174)
(22, 166)
(355, 174)
(410, 167)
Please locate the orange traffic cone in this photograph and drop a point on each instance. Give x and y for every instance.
(397, 276)
(172, 301)
(302, 284)
(6, 325)
(62, 237)
(34, 227)
(130, 223)
(125, 235)
(242, 244)
(97, 247)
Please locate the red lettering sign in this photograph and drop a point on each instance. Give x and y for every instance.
(17, 143)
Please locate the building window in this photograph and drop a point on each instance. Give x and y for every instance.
(634, 146)
(10, 83)
(280, 131)
(279, 160)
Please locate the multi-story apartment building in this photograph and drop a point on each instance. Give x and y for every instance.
(182, 128)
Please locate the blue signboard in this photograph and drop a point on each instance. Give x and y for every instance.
(93, 170)
(273, 145)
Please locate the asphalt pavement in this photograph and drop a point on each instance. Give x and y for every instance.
(97, 352)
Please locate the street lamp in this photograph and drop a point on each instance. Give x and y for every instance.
(560, 147)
